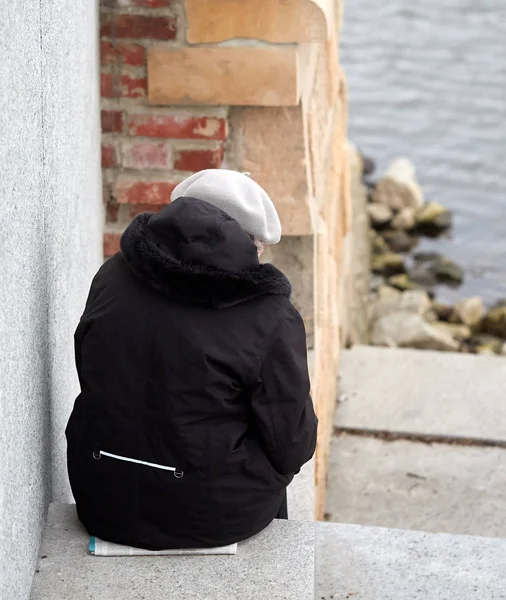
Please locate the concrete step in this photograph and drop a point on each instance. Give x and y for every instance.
(372, 563)
(420, 442)
(421, 392)
(276, 564)
(414, 485)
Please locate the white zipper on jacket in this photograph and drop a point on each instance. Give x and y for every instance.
(100, 453)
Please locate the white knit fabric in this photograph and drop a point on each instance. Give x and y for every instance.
(237, 195)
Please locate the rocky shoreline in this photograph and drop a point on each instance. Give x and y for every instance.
(403, 308)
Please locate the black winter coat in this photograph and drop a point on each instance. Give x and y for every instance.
(194, 412)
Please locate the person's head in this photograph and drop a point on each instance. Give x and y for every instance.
(240, 197)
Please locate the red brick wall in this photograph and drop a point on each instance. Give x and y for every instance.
(146, 150)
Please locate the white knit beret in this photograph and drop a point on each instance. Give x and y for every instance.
(239, 196)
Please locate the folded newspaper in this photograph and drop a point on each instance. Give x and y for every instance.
(98, 547)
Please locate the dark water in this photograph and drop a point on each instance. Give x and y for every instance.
(428, 81)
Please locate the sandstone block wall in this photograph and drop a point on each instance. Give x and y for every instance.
(253, 85)
(360, 254)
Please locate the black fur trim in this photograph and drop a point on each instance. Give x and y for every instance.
(196, 283)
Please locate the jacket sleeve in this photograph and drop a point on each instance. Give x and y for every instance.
(282, 407)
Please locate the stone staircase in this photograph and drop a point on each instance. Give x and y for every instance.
(290, 560)
(420, 443)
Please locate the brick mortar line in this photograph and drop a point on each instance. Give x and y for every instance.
(394, 436)
(122, 69)
(144, 174)
(133, 107)
(181, 143)
(141, 11)
(146, 42)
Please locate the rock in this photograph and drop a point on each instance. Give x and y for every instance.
(433, 216)
(409, 330)
(405, 220)
(469, 312)
(427, 257)
(391, 301)
(458, 332)
(380, 215)
(431, 316)
(431, 268)
(422, 276)
(485, 352)
(399, 188)
(466, 348)
(365, 165)
(387, 264)
(386, 292)
(403, 282)
(494, 322)
(376, 282)
(486, 344)
(383, 307)
(399, 241)
(368, 165)
(370, 193)
(449, 272)
(443, 311)
(417, 301)
(378, 244)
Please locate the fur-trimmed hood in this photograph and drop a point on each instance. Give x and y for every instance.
(194, 252)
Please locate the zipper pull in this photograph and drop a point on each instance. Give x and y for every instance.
(97, 454)
(178, 474)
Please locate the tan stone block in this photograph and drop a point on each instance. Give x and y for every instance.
(295, 257)
(308, 59)
(322, 105)
(346, 295)
(347, 206)
(331, 208)
(278, 21)
(246, 76)
(359, 253)
(325, 106)
(269, 143)
(324, 390)
(323, 99)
